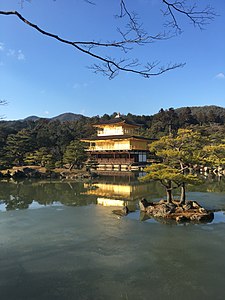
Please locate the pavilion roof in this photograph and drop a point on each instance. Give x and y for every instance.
(117, 121)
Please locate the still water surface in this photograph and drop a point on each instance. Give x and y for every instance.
(60, 240)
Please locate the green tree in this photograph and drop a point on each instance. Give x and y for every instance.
(214, 155)
(201, 117)
(75, 154)
(42, 157)
(166, 175)
(177, 155)
(170, 178)
(17, 145)
(186, 117)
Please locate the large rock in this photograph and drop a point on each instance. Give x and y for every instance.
(161, 210)
(143, 204)
(18, 175)
(191, 211)
(31, 173)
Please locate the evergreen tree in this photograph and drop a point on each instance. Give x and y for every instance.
(17, 145)
(214, 155)
(41, 157)
(177, 154)
(75, 155)
(186, 117)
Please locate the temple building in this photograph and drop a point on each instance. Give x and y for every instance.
(117, 145)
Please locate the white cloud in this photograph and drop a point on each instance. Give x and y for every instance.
(16, 54)
(220, 76)
(46, 112)
(79, 85)
(20, 55)
(11, 52)
(2, 47)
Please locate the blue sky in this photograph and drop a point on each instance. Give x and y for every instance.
(40, 76)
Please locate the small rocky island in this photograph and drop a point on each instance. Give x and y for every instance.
(191, 211)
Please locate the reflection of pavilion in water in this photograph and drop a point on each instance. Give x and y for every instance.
(115, 194)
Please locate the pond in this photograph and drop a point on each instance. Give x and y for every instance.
(60, 240)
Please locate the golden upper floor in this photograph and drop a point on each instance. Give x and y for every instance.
(116, 143)
(116, 126)
(117, 134)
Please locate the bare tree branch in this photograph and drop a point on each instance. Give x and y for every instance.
(111, 69)
(134, 34)
(133, 22)
(135, 27)
(110, 66)
(90, 2)
(197, 18)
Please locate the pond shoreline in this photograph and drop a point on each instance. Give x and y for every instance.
(36, 172)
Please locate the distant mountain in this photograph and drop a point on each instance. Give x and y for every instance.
(209, 112)
(62, 117)
(31, 118)
(217, 110)
(67, 117)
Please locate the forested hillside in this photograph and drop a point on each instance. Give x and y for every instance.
(45, 141)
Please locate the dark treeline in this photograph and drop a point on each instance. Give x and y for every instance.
(47, 142)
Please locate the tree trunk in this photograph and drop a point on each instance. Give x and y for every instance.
(183, 194)
(183, 191)
(169, 192)
(71, 166)
(169, 196)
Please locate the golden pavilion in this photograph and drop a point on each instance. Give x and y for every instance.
(117, 145)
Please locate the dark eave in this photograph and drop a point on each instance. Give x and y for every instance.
(117, 121)
(116, 137)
